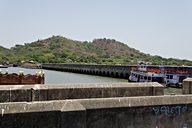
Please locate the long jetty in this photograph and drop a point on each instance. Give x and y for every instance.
(118, 71)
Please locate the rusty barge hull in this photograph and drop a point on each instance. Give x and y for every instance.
(18, 79)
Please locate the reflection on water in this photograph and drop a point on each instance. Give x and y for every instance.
(56, 77)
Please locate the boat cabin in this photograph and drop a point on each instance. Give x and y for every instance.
(146, 77)
(145, 73)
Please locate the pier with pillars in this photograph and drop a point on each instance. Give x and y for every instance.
(118, 71)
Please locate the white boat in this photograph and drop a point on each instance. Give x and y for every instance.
(3, 66)
(144, 73)
(137, 76)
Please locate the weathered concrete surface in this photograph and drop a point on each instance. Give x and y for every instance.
(122, 112)
(54, 114)
(73, 115)
(187, 86)
(14, 93)
(77, 91)
(31, 120)
(112, 108)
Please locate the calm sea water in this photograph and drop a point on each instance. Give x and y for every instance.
(56, 77)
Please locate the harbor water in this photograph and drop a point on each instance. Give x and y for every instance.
(58, 77)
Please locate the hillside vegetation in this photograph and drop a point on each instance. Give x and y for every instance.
(58, 49)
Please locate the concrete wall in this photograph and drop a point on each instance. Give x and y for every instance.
(20, 93)
(122, 112)
(107, 111)
(187, 86)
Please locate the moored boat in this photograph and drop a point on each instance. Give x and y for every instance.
(137, 76)
(145, 73)
(3, 66)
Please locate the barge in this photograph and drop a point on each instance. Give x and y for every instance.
(20, 79)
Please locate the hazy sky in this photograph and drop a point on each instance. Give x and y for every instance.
(157, 27)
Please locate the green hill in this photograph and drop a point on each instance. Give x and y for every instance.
(58, 49)
(5, 54)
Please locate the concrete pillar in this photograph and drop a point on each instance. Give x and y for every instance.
(187, 86)
(39, 93)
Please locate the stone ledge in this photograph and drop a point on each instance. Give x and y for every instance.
(102, 103)
(187, 86)
(18, 93)
(97, 103)
(74, 86)
(99, 113)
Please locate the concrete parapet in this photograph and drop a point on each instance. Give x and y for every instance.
(15, 93)
(77, 91)
(53, 114)
(81, 91)
(93, 104)
(187, 86)
(122, 112)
